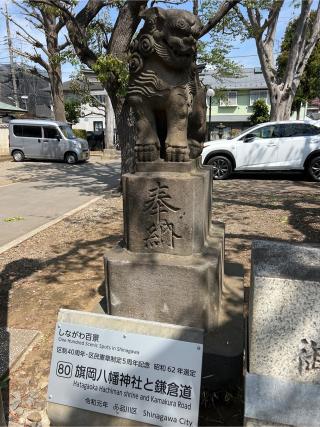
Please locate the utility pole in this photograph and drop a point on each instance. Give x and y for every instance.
(12, 65)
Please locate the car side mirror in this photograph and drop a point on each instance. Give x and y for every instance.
(249, 137)
(58, 137)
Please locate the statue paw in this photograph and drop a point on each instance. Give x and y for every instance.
(177, 154)
(146, 153)
(195, 148)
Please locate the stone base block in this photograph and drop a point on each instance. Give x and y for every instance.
(183, 290)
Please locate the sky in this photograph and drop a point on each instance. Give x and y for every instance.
(243, 52)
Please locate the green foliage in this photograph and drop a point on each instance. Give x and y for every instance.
(215, 54)
(73, 110)
(214, 49)
(260, 112)
(80, 133)
(309, 86)
(111, 69)
(80, 86)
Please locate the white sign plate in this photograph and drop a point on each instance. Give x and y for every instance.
(144, 378)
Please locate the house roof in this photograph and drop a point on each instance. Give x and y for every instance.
(10, 108)
(250, 78)
(30, 82)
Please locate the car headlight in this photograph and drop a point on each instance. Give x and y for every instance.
(77, 145)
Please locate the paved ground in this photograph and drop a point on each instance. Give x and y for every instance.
(34, 193)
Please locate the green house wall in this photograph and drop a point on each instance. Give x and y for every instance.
(243, 108)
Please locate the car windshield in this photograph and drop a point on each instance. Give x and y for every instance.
(67, 132)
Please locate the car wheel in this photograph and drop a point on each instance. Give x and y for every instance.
(18, 156)
(221, 167)
(314, 168)
(71, 158)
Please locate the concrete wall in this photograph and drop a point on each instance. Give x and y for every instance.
(4, 140)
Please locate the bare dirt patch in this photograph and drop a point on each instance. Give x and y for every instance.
(266, 207)
(63, 267)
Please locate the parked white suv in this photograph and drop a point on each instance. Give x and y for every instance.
(279, 146)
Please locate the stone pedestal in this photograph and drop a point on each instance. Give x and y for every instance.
(169, 268)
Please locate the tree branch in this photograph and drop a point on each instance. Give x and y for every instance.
(90, 11)
(255, 24)
(221, 12)
(272, 21)
(34, 58)
(64, 45)
(28, 38)
(298, 42)
(27, 12)
(244, 21)
(171, 2)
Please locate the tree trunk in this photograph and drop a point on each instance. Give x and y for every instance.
(126, 135)
(281, 103)
(57, 92)
(109, 124)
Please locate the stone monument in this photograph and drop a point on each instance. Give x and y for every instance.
(283, 382)
(169, 267)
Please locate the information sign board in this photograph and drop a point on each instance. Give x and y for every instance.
(144, 378)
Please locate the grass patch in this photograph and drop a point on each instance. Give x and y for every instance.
(13, 219)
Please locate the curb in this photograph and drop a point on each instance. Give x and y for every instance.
(5, 158)
(37, 230)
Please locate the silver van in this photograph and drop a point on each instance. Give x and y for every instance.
(45, 139)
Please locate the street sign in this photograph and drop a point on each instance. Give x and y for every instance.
(140, 377)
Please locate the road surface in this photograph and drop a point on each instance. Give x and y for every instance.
(35, 193)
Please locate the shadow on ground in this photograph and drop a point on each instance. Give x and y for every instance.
(92, 178)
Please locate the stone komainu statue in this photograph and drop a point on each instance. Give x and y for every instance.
(164, 88)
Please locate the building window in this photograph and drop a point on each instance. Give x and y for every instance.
(97, 126)
(100, 98)
(258, 94)
(230, 99)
